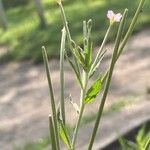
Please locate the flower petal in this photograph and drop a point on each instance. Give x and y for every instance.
(110, 14)
(117, 17)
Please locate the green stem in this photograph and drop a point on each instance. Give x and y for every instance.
(129, 32)
(65, 23)
(52, 133)
(102, 102)
(53, 107)
(131, 27)
(82, 105)
(101, 48)
(62, 106)
(106, 88)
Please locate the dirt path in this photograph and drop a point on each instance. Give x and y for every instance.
(24, 103)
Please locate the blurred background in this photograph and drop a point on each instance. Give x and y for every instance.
(25, 26)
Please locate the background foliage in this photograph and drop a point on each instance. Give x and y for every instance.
(24, 38)
(14, 3)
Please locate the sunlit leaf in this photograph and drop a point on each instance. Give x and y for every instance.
(93, 91)
(63, 132)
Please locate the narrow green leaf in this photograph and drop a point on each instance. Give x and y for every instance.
(74, 69)
(79, 56)
(88, 47)
(88, 54)
(65, 23)
(53, 107)
(147, 145)
(64, 135)
(63, 132)
(127, 145)
(93, 91)
(143, 137)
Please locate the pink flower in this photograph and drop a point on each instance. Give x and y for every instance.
(113, 17)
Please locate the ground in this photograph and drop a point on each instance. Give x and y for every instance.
(24, 104)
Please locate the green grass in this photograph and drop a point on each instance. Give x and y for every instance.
(24, 38)
(141, 141)
(42, 143)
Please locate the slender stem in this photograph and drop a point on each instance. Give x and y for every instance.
(77, 126)
(102, 102)
(65, 23)
(101, 48)
(52, 133)
(131, 27)
(113, 61)
(147, 145)
(83, 92)
(53, 107)
(128, 34)
(62, 106)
